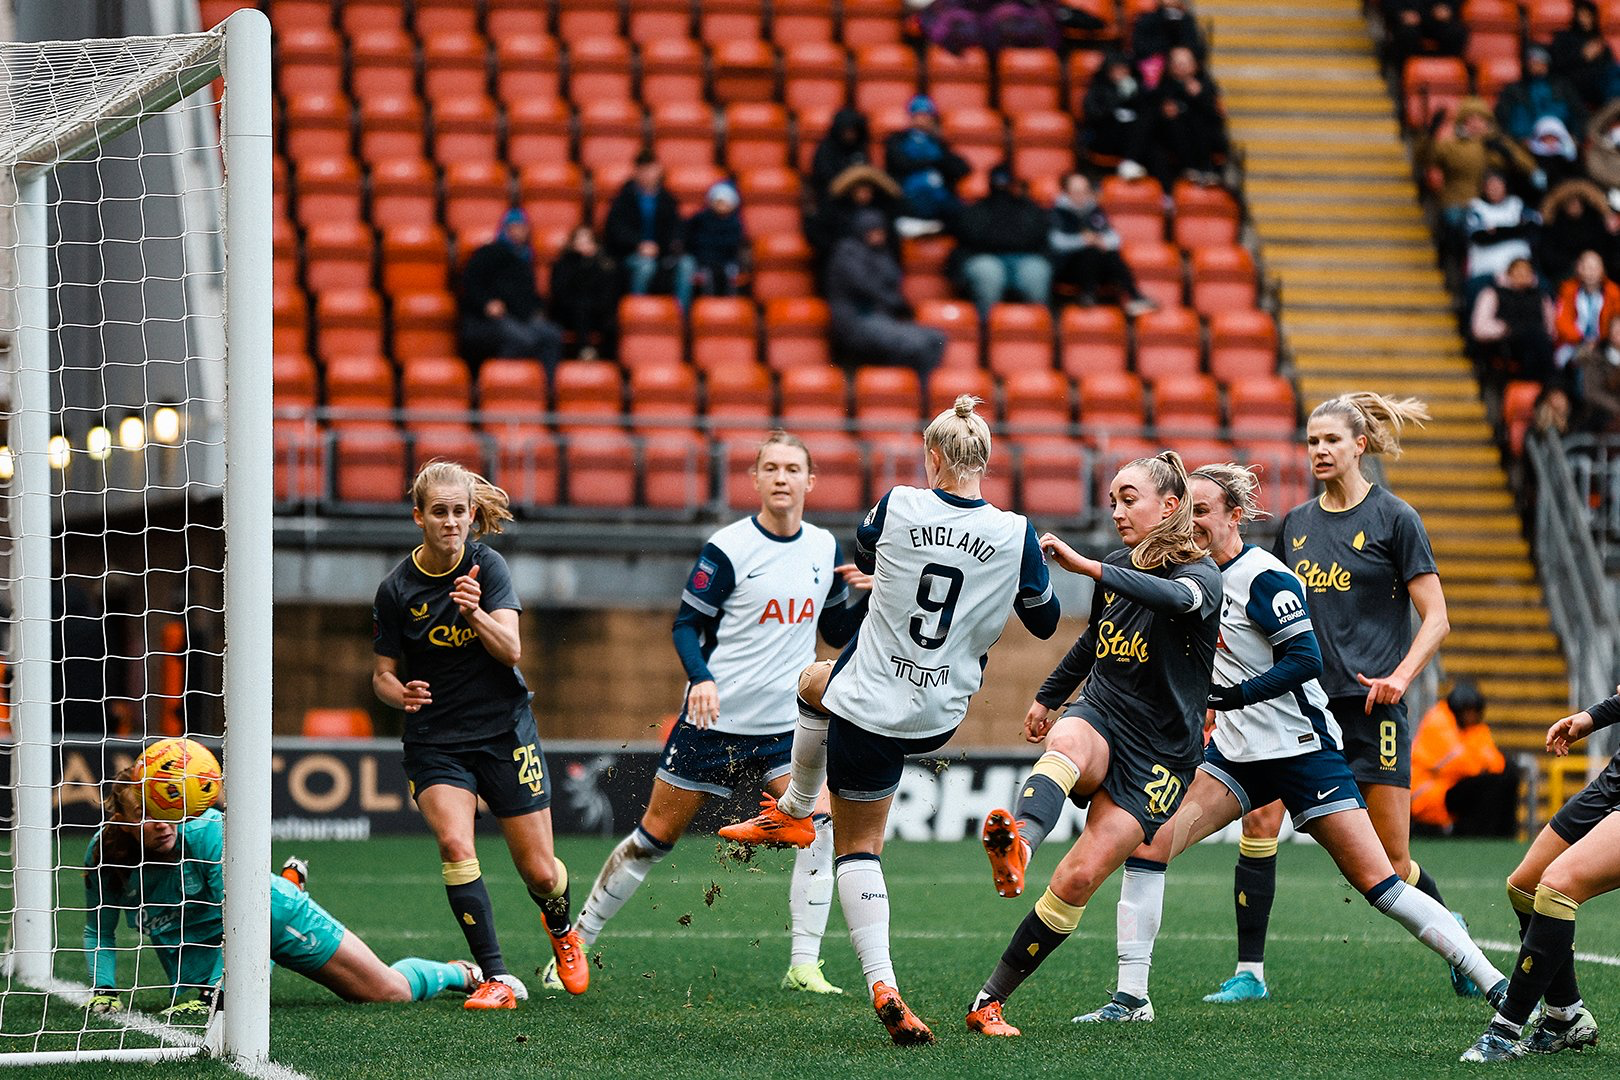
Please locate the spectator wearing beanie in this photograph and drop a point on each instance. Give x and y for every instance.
(926, 168)
(716, 242)
(1541, 92)
(502, 313)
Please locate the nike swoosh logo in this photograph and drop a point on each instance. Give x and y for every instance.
(1325, 794)
(755, 574)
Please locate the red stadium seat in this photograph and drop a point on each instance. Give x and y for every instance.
(1223, 279)
(436, 18)
(958, 82)
(338, 255)
(455, 63)
(610, 132)
(512, 390)
(947, 384)
(391, 126)
(1205, 217)
(1054, 476)
(893, 458)
(742, 70)
(1495, 72)
(815, 75)
(589, 395)
(683, 133)
(649, 331)
(756, 135)
(538, 131)
(301, 461)
(978, 134)
(1285, 477)
(447, 441)
(869, 22)
(436, 384)
(1083, 67)
(510, 18)
(382, 62)
(725, 331)
(671, 70)
(1168, 342)
(1429, 83)
(885, 77)
(414, 258)
(816, 397)
(1518, 410)
(289, 315)
(675, 470)
(1111, 401)
(1043, 143)
(328, 189)
(796, 333)
(923, 258)
(1019, 338)
(782, 267)
(730, 20)
(348, 322)
(1158, 271)
(1038, 401)
(666, 391)
(840, 479)
(370, 465)
(311, 58)
(1493, 30)
(888, 398)
(1030, 80)
(588, 18)
(770, 200)
(464, 129)
(530, 58)
(1544, 18)
(552, 193)
(363, 383)
(600, 469)
(1135, 208)
(651, 20)
(1242, 344)
(424, 324)
(317, 125)
(739, 400)
(357, 15)
(795, 21)
(959, 322)
(512, 399)
(477, 192)
(598, 70)
(1186, 405)
(295, 381)
(1113, 453)
(1262, 408)
(1091, 339)
(404, 191)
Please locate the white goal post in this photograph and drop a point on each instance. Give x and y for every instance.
(134, 400)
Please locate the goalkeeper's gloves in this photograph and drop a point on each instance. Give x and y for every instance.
(105, 1001)
(1222, 698)
(187, 1012)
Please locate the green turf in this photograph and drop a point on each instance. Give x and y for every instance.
(1354, 996)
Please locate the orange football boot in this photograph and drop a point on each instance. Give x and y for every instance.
(573, 969)
(771, 826)
(491, 995)
(988, 1020)
(1009, 855)
(904, 1027)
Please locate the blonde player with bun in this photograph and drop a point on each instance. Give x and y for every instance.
(946, 569)
(445, 634)
(1128, 744)
(1274, 739)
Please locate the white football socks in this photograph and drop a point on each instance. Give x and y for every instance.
(809, 763)
(810, 894)
(1428, 921)
(626, 868)
(1137, 918)
(864, 896)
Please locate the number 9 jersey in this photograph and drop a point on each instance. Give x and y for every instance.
(946, 570)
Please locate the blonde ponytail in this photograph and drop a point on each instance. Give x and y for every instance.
(962, 438)
(1242, 488)
(491, 506)
(1381, 419)
(1171, 540)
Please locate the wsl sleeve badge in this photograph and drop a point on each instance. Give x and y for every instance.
(703, 575)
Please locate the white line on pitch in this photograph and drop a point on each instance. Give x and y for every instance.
(1583, 957)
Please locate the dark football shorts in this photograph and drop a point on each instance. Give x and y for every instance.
(719, 762)
(864, 766)
(1378, 747)
(1310, 785)
(1591, 804)
(1144, 787)
(507, 772)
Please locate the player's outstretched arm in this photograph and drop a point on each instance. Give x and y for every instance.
(395, 693)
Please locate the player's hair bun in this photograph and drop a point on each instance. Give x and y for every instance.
(965, 404)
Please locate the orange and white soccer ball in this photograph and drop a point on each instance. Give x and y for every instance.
(179, 778)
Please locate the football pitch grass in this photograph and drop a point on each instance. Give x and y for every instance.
(688, 979)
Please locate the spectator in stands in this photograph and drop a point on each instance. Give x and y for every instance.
(847, 143)
(1574, 215)
(1550, 414)
(1461, 783)
(1423, 28)
(857, 188)
(1116, 122)
(1499, 227)
(585, 294)
(1189, 128)
(1597, 374)
(501, 310)
(1461, 158)
(1539, 93)
(1555, 152)
(1164, 26)
(1085, 248)
(716, 242)
(1580, 55)
(1603, 147)
(926, 168)
(1587, 303)
(1512, 327)
(1001, 246)
(871, 321)
(643, 234)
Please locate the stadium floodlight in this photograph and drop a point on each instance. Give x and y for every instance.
(135, 282)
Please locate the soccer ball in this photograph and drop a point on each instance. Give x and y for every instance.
(179, 778)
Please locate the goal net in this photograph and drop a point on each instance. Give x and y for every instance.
(135, 488)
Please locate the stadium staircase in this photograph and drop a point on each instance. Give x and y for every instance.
(1332, 199)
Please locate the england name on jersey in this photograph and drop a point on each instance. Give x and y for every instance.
(762, 595)
(946, 574)
(1264, 607)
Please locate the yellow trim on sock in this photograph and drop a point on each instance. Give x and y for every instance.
(1413, 872)
(1554, 904)
(1256, 848)
(561, 886)
(460, 873)
(1058, 769)
(1060, 916)
(1523, 902)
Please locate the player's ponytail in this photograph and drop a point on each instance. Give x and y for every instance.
(963, 440)
(1241, 487)
(1381, 419)
(491, 506)
(117, 849)
(1171, 540)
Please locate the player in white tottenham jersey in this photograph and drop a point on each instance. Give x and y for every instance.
(947, 567)
(760, 590)
(1274, 739)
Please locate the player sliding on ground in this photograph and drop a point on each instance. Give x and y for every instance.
(760, 590)
(1274, 739)
(445, 627)
(1575, 857)
(1135, 733)
(946, 568)
(166, 878)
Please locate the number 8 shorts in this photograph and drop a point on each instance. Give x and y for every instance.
(1378, 747)
(508, 772)
(1144, 786)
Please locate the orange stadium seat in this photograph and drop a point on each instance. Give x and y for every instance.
(1168, 343)
(796, 333)
(328, 189)
(360, 381)
(664, 391)
(671, 70)
(1493, 73)
(781, 267)
(299, 14)
(1205, 217)
(923, 259)
(675, 469)
(1429, 83)
(1158, 270)
(436, 384)
(1091, 339)
(1030, 80)
(742, 70)
(725, 332)
(310, 58)
(527, 464)
(1043, 143)
(338, 254)
(1019, 338)
(1203, 451)
(424, 323)
(370, 465)
(649, 331)
(1038, 401)
(511, 18)
(404, 191)
(770, 200)
(357, 15)
(946, 384)
(1111, 401)
(885, 77)
(1113, 452)
(295, 380)
(280, 171)
(1083, 67)
(610, 132)
(477, 193)
(1242, 344)
(435, 18)
(447, 440)
(382, 62)
(978, 134)
(893, 457)
(284, 265)
(598, 70)
(538, 131)
(794, 21)
(1493, 29)
(391, 126)
(888, 397)
(871, 22)
(588, 395)
(815, 75)
(690, 183)
(213, 12)
(289, 321)
(600, 469)
(1285, 477)
(816, 396)
(1518, 410)
(683, 133)
(654, 19)
(840, 479)
(455, 63)
(414, 258)
(317, 125)
(756, 135)
(730, 20)
(337, 724)
(464, 129)
(958, 82)
(1544, 18)
(887, 121)
(1186, 404)
(512, 390)
(589, 18)
(739, 400)
(348, 322)
(1054, 477)
(1135, 208)
(1262, 408)
(529, 56)
(300, 461)
(959, 322)
(1223, 279)
(552, 193)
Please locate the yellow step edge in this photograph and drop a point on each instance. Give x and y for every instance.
(1337, 231)
(1265, 188)
(1463, 615)
(1462, 500)
(1494, 524)
(1466, 664)
(1518, 594)
(1373, 256)
(1512, 641)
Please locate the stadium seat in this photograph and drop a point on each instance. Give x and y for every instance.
(742, 70)
(358, 15)
(675, 470)
(455, 63)
(1054, 477)
(295, 381)
(439, 18)
(1113, 452)
(414, 258)
(362, 385)
(885, 77)
(923, 260)
(1518, 410)
(871, 22)
(338, 255)
(888, 398)
(815, 75)
(404, 191)
(1043, 143)
(310, 58)
(289, 319)
(317, 125)
(1242, 344)
(598, 70)
(1493, 73)
(1285, 477)
(946, 384)
(511, 18)
(588, 396)
(1262, 408)
(892, 458)
(610, 132)
(959, 322)
(1168, 342)
(424, 323)
(600, 468)
(477, 192)
(1019, 338)
(1029, 80)
(1223, 279)
(1158, 270)
(796, 333)
(781, 267)
(1205, 216)
(447, 441)
(650, 330)
(671, 70)
(756, 136)
(1493, 30)
(958, 82)
(539, 131)
(511, 389)
(1186, 405)
(1429, 83)
(1111, 401)
(301, 460)
(1091, 340)
(284, 266)
(739, 400)
(391, 126)
(664, 391)
(978, 134)
(651, 20)
(552, 192)
(527, 463)
(382, 62)
(1135, 208)
(840, 478)
(436, 384)
(1037, 402)
(1083, 67)
(371, 465)
(814, 397)
(348, 322)
(730, 20)
(683, 133)
(1196, 452)
(464, 129)
(328, 189)
(526, 59)
(1544, 18)
(770, 200)
(796, 21)
(588, 18)
(725, 331)
(690, 184)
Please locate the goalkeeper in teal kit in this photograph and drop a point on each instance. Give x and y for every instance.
(165, 879)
